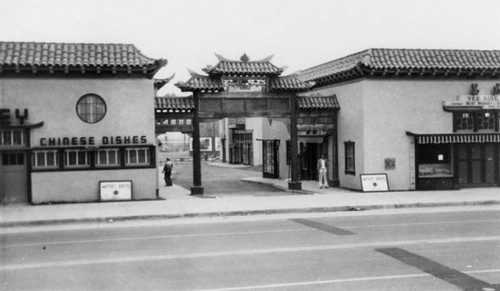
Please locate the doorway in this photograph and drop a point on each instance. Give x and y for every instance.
(14, 182)
(476, 164)
(309, 155)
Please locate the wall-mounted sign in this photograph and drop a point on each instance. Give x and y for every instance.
(374, 182)
(480, 101)
(6, 117)
(90, 140)
(115, 190)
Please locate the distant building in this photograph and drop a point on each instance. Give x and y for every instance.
(428, 119)
(76, 122)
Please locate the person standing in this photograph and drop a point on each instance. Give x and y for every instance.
(167, 170)
(322, 166)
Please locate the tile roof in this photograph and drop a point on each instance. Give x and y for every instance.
(318, 102)
(90, 56)
(174, 103)
(289, 83)
(244, 67)
(405, 62)
(159, 83)
(200, 82)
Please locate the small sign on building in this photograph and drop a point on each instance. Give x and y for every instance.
(115, 190)
(374, 182)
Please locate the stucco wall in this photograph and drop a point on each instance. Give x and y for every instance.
(129, 105)
(376, 114)
(350, 121)
(83, 186)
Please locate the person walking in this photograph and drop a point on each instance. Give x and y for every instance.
(322, 166)
(167, 170)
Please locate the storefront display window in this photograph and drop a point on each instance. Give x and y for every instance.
(12, 138)
(107, 157)
(76, 158)
(434, 160)
(46, 159)
(137, 156)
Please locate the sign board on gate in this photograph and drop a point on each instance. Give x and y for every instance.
(115, 190)
(374, 182)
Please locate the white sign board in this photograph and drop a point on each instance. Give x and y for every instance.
(481, 101)
(374, 182)
(115, 190)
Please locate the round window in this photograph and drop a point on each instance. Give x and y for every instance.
(91, 108)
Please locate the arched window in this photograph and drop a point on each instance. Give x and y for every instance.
(91, 108)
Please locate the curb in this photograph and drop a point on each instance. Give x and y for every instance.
(111, 219)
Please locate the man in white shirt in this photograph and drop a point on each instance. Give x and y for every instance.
(322, 169)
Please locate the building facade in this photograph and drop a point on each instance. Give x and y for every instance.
(76, 123)
(426, 119)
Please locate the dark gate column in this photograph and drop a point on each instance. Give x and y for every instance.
(294, 184)
(196, 189)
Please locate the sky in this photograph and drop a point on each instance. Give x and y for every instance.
(299, 33)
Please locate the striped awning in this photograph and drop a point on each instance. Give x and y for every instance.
(455, 138)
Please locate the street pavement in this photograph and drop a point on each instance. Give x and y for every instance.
(176, 202)
(390, 250)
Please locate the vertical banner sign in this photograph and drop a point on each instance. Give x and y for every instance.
(115, 190)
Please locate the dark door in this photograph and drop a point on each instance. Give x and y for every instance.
(476, 164)
(310, 153)
(14, 178)
(270, 159)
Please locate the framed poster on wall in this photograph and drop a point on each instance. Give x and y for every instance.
(374, 182)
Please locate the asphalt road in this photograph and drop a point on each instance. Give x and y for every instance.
(380, 250)
(223, 181)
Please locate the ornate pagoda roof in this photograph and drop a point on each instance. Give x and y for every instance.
(213, 82)
(100, 58)
(210, 83)
(244, 66)
(405, 62)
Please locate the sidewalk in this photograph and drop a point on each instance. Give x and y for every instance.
(177, 202)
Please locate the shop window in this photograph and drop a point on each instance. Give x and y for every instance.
(137, 156)
(464, 121)
(107, 157)
(12, 138)
(91, 108)
(434, 160)
(45, 159)
(485, 121)
(76, 158)
(350, 158)
(476, 121)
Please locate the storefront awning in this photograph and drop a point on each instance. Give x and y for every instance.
(441, 138)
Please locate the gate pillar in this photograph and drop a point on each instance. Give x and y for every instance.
(294, 184)
(197, 188)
